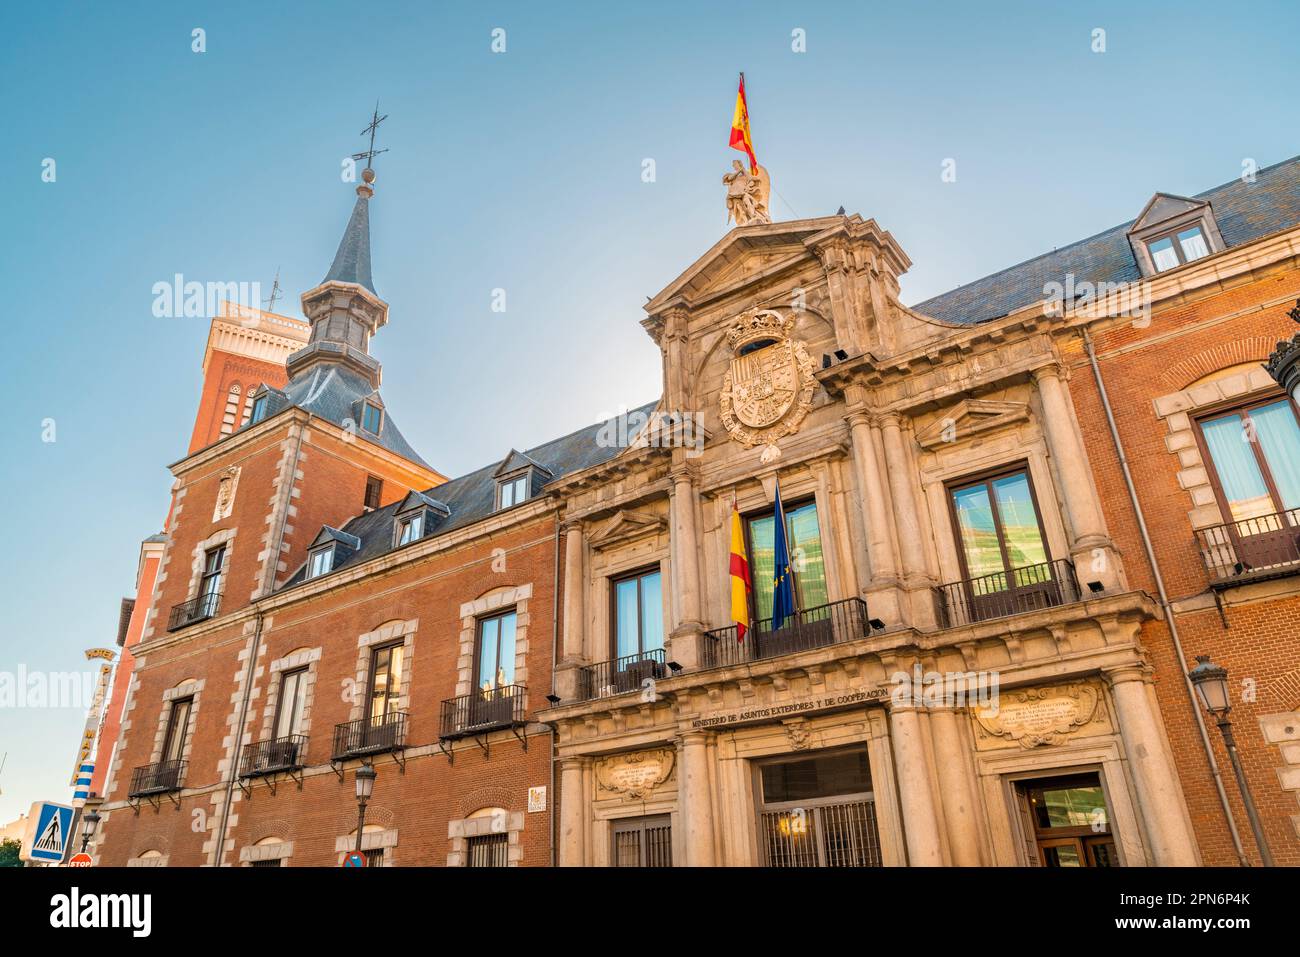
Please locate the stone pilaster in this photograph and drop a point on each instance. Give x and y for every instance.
(961, 808)
(695, 799)
(573, 812)
(919, 806)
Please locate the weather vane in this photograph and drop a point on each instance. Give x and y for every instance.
(371, 153)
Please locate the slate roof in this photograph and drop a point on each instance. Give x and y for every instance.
(1243, 211)
(352, 260)
(335, 393)
(472, 497)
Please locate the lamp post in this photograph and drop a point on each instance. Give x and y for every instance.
(366, 775)
(88, 824)
(1211, 684)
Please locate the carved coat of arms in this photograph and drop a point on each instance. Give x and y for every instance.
(768, 388)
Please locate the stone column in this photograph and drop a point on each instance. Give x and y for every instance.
(694, 801)
(1081, 501)
(573, 813)
(920, 813)
(686, 567)
(961, 809)
(911, 543)
(568, 670)
(1160, 798)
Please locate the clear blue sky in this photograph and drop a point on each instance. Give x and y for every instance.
(521, 171)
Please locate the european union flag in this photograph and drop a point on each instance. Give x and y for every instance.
(782, 580)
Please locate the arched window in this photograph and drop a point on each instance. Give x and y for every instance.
(232, 409)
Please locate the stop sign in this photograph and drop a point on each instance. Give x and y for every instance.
(79, 860)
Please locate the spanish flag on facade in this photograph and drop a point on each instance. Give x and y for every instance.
(740, 584)
(740, 138)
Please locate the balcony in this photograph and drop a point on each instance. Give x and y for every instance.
(160, 778)
(621, 675)
(1267, 546)
(377, 735)
(811, 628)
(482, 711)
(193, 611)
(1026, 589)
(277, 754)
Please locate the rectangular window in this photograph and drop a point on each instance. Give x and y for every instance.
(998, 528)
(1256, 456)
(178, 723)
(385, 680)
(643, 841)
(819, 811)
(496, 651)
(804, 542)
(293, 699)
(371, 418)
(274, 862)
(374, 491)
(512, 492)
(487, 850)
(410, 529)
(259, 409)
(1185, 246)
(210, 581)
(374, 858)
(320, 562)
(638, 614)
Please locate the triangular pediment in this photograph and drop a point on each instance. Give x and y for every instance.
(971, 417)
(625, 526)
(744, 254)
(416, 500)
(1163, 207)
(516, 460)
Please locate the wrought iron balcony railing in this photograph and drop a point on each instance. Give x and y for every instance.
(481, 711)
(158, 778)
(1262, 547)
(277, 754)
(811, 628)
(621, 675)
(194, 611)
(375, 735)
(1030, 588)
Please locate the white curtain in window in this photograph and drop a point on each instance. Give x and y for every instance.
(1279, 437)
(1234, 463)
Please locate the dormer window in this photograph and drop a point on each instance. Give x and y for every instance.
(321, 561)
(372, 418)
(1174, 250)
(410, 528)
(512, 491)
(259, 409)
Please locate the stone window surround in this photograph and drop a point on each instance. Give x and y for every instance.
(459, 833)
(605, 568)
(1178, 409)
(307, 658)
(186, 689)
(389, 633)
(160, 861)
(276, 851)
(371, 840)
(226, 537)
(495, 601)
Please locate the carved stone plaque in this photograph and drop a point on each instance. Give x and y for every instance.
(1033, 717)
(635, 775)
(768, 388)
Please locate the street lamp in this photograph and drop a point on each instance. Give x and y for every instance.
(1284, 362)
(366, 775)
(1211, 684)
(88, 825)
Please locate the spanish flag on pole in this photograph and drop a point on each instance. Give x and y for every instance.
(740, 138)
(740, 584)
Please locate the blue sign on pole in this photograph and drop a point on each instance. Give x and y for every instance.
(51, 836)
(354, 859)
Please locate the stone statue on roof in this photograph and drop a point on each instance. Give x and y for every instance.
(747, 194)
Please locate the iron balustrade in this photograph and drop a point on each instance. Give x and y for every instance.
(817, 627)
(276, 754)
(157, 778)
(621, 675)
(193, 611)
(483, 710)
(1258, 547)
(374, 735)
(1029, 588)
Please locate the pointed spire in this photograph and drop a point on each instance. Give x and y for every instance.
(352, 261)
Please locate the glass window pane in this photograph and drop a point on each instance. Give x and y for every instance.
(506, 651)
(806, 555)
(489, 631)
(1019, 519)
(520, 489)
(1068, 806)
(625, 617)
(1163, 254)
(1235, 465)
(979, 536)
(762, 562)
(652, 612)
(825, 776)
(1193, 244)
(1279, 440)
(507, 494)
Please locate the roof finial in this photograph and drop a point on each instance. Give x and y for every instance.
(366, 188)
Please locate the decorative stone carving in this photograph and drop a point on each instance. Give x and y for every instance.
(226, 486)
(635, 775)
(768, 389)
(747, 194)
(1033, 717)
